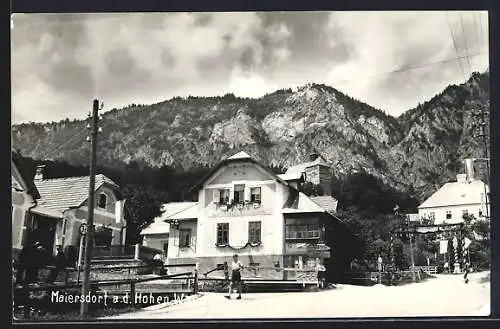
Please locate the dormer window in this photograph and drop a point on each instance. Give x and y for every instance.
(102, 201)
(255, 195)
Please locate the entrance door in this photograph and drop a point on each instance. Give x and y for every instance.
(45, 232)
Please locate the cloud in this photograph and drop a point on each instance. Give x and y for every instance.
(399, 59)
(60, 62)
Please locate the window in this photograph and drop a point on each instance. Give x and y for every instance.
(255, 194)
(448, 214)
(184, 237)
(239, 193)
(432, 217)
(254, 229)
(480, 212)
(223, 234)
(101, 203)
(308, 231)
(224, 196)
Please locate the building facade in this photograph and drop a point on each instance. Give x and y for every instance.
(24, 196)
(56, 217)
(466, 196)
(245, 208)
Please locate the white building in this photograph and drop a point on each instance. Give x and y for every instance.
(454, 199)
(243, 207)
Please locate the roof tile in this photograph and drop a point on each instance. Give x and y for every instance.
(59, 194)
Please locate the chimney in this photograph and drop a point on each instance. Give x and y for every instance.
(461, 178)
(313, 156)
(39, 173)
(469, 169)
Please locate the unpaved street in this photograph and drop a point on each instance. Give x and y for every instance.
(445, 295)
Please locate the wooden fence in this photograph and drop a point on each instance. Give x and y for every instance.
(253, 274)
(189, 284)
(427, 269)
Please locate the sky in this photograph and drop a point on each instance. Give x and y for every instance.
(390, 60)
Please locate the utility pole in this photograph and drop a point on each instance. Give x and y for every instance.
(90, 215)
(480, 122)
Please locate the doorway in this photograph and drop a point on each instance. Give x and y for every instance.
(44, 231)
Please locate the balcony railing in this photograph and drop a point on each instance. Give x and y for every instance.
(238, 209)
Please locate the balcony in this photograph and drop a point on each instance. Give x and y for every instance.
(238, 209)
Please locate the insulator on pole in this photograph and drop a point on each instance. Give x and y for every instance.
(88, 139)
(99, 130)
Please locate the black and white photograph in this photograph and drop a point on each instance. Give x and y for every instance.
(250, 165)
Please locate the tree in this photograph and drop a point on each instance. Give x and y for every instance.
(141, 207)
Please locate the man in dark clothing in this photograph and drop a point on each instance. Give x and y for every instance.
(60, 263)
(27, 272)
(36, 258)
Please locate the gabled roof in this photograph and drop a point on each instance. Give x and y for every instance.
(326, 202)
(159, 226)
(300, 168)
(23, 181)
(238, 157)
(457, 193)
(59, 194)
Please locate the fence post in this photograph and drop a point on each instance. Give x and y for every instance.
(136, 254)
(196, 279)
(132, 293)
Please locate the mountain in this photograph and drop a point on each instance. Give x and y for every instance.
(417, 151)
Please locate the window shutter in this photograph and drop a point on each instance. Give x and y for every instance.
(247, 193)
(118, 212)
(216, 195)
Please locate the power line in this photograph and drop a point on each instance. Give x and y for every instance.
(455, 44)
(447, 60)
(465, 42)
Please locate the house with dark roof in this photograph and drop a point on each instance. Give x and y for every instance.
(57, 215)
(243, 207)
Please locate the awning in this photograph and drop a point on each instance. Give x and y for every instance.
(42, 211)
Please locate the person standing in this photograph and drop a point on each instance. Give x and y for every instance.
(466, 270)
(60, 263)
(320, 269)
(30, 259)
(236, 267)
